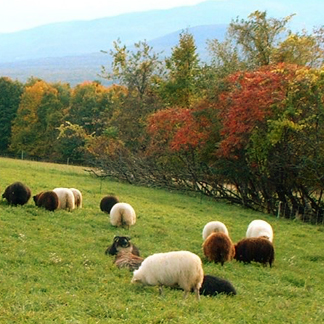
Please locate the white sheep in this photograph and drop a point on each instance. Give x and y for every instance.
(66, 198)
(122, 214)
(77, 197)
(259, 228)
(177, 268)
(215, 226)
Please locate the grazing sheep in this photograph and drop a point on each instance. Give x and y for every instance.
(128, 260)
(259, 228)
(17, 194)
(181, 268)
(218, 247)
(122, 214)
(77, 197)
(66, 198)
(122, 244)
(213, 286)
(258, 249)
(107, 203)
(215, 226)
(47, 199)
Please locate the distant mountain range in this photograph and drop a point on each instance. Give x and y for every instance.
(70, 51)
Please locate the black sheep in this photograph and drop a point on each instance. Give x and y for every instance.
(17, 194)
(258, 249)
(122, 243)
(107, 203)
(213, 286)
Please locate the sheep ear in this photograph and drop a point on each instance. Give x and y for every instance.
(116, 238)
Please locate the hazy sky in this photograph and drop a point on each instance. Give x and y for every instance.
(23, 14)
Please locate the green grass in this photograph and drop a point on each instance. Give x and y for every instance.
(53, 267)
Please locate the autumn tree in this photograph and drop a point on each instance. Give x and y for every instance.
(10, 92)
(40, 111)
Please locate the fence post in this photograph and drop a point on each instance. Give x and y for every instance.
(279, 209)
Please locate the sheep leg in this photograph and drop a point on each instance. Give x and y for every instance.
(161, 290)
(197, 293)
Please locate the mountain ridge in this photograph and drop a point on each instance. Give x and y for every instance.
(78, 39)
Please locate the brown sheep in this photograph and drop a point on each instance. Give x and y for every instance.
(107, 203)
(218, 247)
(17, 194)
(128, 260)
(258, 249)
(47, 199)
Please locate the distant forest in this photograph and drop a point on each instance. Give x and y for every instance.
(248, 127)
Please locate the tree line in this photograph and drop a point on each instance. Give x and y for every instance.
(246, 127)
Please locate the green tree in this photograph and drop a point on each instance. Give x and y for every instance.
(258, 37)
(181, 85)
(137, 70)
(10, 92)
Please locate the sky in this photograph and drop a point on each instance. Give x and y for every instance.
(18, 15)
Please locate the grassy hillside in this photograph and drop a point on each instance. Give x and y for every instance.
(53, 267)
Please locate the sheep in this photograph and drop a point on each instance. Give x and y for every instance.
(214, 226)
(122, 214)
(128, 260)
(47, 199)
(17, 194)
(66, 198)
(218, 247)
(107, 203)
(259, 228)
(122, 244)
(182, 268)
(213, 286)
(258, 249)
(77, 197)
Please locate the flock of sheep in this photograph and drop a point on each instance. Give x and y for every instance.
(182, 269)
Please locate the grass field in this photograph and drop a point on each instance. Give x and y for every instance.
(53, 267)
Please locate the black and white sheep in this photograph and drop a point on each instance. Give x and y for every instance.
(258, 249)
(177, 268)
(66, 198)
(218, 248)
(107, 203)
(214, 226)
(213, 286)
(122, 214)
(17, 194)
(47, 199)
(122, 244)
(259, 228)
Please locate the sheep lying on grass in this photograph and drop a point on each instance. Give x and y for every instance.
(258, 249)
(122, 244)
(259, 228)
(213, 286)
(215, 226)
(107, 203)
(181, 268)
(218, 247)
(78, 199)
(17, 194)
(66, 198)
(128, 260)
(122, 214)
(47, 199)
